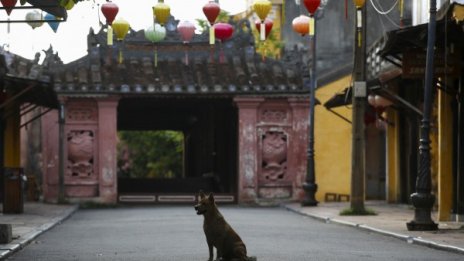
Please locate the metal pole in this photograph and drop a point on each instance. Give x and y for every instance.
(310, 186)
(422, 199)
(61, 194)
(359, 107)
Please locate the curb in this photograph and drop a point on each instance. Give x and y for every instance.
(28, 238)
(407, 238)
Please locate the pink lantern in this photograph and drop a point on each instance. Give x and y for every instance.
(186, 30)
(223, 31)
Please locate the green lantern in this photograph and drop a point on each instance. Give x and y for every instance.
(155, 33)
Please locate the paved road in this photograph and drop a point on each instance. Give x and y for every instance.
(175, 233)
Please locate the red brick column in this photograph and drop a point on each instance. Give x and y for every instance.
(247, 148)
(107, 154)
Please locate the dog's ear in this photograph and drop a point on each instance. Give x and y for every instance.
(201, 195)
(211, 197)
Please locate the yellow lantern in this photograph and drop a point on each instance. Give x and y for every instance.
(121, 28)
(161, 12)
(359, 3)
(262, 8)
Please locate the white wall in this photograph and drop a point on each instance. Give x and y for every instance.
(420, 10)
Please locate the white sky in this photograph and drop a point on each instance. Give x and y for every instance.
(70, 40)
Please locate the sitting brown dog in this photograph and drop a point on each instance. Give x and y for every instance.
(219, 234)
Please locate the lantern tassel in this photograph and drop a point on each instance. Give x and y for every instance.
(283, 12)
(8, 26)
(211, 54)
(110, 36)
(346, 10)
(221, 55)
(186, 58)
(120, 59)
(262, 31)
(359, 38)
(311, 26)
(401, 13)
(156, 57)
(211, 35)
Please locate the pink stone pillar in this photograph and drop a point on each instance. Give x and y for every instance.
(50, 156)
(107, 154)
(299, 145)
(247, 148)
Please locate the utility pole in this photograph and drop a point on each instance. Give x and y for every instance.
(358, 151)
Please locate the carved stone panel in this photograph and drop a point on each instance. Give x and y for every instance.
(276, 115)
(82, 111)
(273, 156)
(80, 154)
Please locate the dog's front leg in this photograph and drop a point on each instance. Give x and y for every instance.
(210, 248)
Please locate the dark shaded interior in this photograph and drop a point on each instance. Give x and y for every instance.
(210, 142)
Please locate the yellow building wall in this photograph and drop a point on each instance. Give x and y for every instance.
(332, 145)
(445, 156)
(12, 154)
(392, 147)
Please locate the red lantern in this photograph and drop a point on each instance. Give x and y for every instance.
(109, 10)
(312, 5)
(223, 31)
(8, 4)
(211, 11)
(301, 25)
(267, 25)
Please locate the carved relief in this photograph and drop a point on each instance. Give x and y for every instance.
(274, 156)
(85, 112)
(80, 153)
(274, 115)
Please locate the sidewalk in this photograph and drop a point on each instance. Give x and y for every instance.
(390, 220)
(36, 219)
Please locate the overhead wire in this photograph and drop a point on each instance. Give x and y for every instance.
(383, 12)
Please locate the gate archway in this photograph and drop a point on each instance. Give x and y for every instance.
(244, 118)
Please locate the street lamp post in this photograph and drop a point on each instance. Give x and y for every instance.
(422, 199)
(310, 186)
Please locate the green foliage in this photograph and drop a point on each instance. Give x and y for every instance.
(150, 154)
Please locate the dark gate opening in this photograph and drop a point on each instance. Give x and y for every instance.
(208, 130)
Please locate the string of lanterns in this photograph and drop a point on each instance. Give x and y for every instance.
(156, 32)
